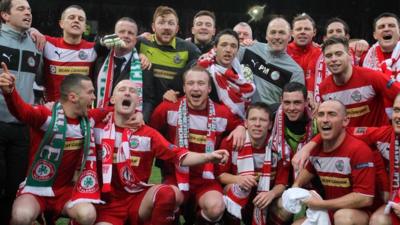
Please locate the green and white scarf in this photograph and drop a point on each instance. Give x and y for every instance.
(43, 172)
(106, 75)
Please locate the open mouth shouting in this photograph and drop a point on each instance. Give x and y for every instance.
(387, 36)
(126, 103)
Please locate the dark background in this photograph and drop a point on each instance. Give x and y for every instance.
(358, 14)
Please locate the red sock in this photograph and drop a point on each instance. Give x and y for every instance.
(163, 206)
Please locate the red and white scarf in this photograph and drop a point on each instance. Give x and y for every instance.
(394, 156)
(375, 60)
(320, 73)
(277, 141)
(236, 198)
(232, 87)
(126, 175)
(182, 137)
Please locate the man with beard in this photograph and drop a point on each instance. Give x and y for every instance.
(344, 171)
(269, 65)
(23, 59)
(244, 31)
(62, 144)
(125, 178)
(124, 63)
(229, 86)
(203, 30)
(198, 124)
(361, 90)
(168, 54)
(303, 50)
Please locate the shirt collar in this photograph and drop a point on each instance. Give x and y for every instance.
(172, 43)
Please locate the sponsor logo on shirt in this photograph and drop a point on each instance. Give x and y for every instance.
(66, 70)
(360, 130)
(197, 139)
(335, 181)
(135, 160)
(364, 165)
(164, 74)
(358, 111)
(73, 145)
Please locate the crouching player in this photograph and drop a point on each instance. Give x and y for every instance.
(127, 158)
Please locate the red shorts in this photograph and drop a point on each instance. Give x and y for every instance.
(118, 210)
(197, 187)
(53, 205)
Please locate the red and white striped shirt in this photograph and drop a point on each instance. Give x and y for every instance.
(61, 59)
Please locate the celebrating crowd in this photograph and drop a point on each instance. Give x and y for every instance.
(244, 131)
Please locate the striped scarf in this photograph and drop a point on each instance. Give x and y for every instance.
(106, 75)
(126, 175)
(394, 156)
(236, 198)
(375, 60)
(232, 87)
(182, 137)
(277, 141)
(43, 171)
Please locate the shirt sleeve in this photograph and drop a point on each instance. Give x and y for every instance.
(98, 114)
(233, 121)
(386, 86)
(158, 119)
(165, 150)
(24, 112)
(362, 164)
(227, 167)
(282, 173)
(371, 135)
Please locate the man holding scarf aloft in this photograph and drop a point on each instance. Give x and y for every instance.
(229, 86)
(253, 176)
(125, 179)
(123, 62)
(62, 145)
(197, 123)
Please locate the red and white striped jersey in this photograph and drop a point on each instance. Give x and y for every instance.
(363, 96)
(61, 59)
(345, 169)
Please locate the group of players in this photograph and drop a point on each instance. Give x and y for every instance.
(234, 122)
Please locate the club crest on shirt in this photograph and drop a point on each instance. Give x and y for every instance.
(177, 59)
(82, 55)
(356, 96)
(31, 61)
(275, 75)
(134, 142)
(53, 69)
(339, 165)
(43, 170)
